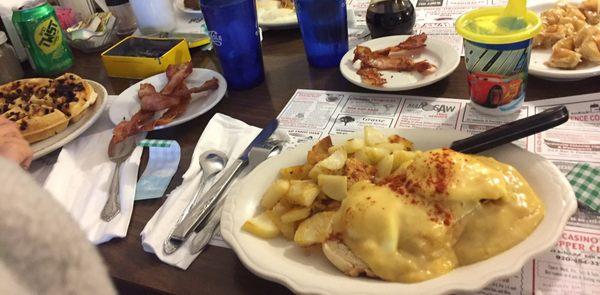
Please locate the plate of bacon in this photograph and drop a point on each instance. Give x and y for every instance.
(397, 63)
(167, 99)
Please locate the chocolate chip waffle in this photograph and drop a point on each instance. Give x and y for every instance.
(44, 107)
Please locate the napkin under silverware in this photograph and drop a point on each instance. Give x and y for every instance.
(80, 178)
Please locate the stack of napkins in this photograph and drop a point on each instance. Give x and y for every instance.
(81, 177)
(222, 133)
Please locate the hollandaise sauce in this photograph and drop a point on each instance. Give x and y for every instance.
(438, 211)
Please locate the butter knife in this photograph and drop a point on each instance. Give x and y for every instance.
(200, 211)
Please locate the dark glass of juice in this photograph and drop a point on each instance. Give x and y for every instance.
(390, 17)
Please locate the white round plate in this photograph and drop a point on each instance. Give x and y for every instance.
(540, 56)
(275, 18)
(179, 4)
(437, 52)
(46, 146)
(127, 104)
(281, 261)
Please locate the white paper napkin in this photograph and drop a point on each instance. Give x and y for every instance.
(222, 133)
(81, 176)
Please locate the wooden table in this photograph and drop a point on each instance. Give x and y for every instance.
(218, 271)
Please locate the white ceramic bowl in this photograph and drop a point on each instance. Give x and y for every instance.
(304, 271)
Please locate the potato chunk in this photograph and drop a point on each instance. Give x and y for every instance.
(375, 154)
(302, 192)
(384, 167)
(295, 172)
(287, 229)
(319, 151)
(295, 214)
(334, 186)
(401, 157)
(399, 139)
(262, 226)
(314, 230)
(334, 161)
(362, 156)
(274, 193)
(373, 136)
(353, 145)
(393, 146)
(318, 170)
(281, 207)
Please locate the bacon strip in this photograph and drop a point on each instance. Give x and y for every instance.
(176, 110)
(157, 102)
(185, 95)
(411, 43)
(211, 84)
(399, 63)
(174, 98)
(183, 71)
(131, 127)
(382, 60)
(146, 89)
(371, 76)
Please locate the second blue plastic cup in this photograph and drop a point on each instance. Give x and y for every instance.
(233, 29)
(324, 31)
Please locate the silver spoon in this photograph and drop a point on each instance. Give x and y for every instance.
(207, 229)
(117, 153)
(211, 163)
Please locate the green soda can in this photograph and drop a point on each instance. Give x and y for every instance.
(40, 32)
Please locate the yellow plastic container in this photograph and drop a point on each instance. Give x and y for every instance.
(497, 57)
(141, 57)
(467, 26)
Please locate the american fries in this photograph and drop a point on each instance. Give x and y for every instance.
(334, 186)
(295, 214)
(274, 193)
(302, 192)
(314, 230)
(373, 136)
(262, 225)
(295, 172)
(384, 167)
(301, 203)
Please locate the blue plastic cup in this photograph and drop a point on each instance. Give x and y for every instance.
(324, 31)
(233, 29)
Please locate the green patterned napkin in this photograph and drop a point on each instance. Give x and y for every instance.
(585, 180)
(155, 143)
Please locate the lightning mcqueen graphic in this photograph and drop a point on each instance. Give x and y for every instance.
(492, 90)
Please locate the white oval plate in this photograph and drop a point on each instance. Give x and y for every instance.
(127, 103)
(266, 21)
(46, 146)
(437, 52)
(281, 261)
(540, 56)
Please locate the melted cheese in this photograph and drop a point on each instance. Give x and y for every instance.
(440, 210)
